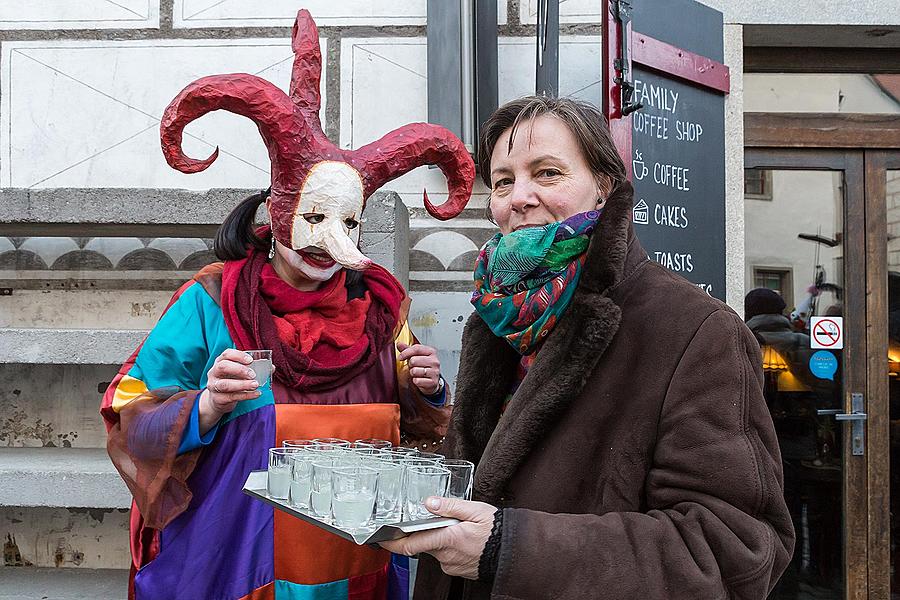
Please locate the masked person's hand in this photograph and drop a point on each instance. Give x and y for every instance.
(424, 367)
(229, 381)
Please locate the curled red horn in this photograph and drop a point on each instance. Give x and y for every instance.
(240, 93)
(292, 132)
(414, 145)
(307, 68)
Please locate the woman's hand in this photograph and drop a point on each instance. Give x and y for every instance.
(229, 381)
(424, 366)
(458, 548)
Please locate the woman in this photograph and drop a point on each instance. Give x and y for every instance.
(187, 421)
(613, 409)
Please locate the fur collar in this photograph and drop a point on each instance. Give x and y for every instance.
(498, 444)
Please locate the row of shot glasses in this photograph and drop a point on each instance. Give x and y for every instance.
(363, 484)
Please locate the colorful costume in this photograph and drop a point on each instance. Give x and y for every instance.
(194, 534)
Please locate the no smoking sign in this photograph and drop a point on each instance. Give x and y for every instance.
(827, 333)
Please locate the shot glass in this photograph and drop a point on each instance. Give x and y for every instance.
(365, 455)
(380, 444)
(301, 479)
(354, 490)
(398, 454)
(320, 489)
(261, 365)
(389, 499)
(336, 442)
(430, 456)
(279, 475)
(300, 444)
(461, 474)
(423, 481)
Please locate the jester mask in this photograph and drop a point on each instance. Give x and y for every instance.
(318, 190)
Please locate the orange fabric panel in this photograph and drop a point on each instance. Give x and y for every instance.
(266, 592)
(304, 553)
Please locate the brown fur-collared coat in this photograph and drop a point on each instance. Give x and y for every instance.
(637, 458)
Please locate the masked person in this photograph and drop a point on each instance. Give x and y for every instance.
(187, 421)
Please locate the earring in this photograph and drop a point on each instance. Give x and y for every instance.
(272, 249)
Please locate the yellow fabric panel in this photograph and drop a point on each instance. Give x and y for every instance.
(405, 336)
(128, 389)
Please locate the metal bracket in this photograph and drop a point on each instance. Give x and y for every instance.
(622, 13)
(857, 419)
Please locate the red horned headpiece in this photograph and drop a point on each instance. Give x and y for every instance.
(292, 132)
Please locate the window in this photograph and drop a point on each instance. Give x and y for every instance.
(757, 184)
(777, 279)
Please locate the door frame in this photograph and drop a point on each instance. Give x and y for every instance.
(855, 472)
(877, 163)
(864, 147)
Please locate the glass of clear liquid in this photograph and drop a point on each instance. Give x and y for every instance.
(320, 488)
(423, 481)
(388, 500)
(461, 475)
(301, 480)
(261, 365)
(354, 490)
(279, 475)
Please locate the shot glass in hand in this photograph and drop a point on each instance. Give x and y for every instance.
(461, 474)
(261, 365)
(423, 481)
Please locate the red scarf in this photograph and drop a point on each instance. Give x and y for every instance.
(318, 339)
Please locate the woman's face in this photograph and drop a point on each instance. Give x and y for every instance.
(544, 179)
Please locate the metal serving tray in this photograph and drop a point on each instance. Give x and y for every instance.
(255, 486)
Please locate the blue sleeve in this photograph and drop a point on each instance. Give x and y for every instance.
(192, 438)
(439, 398)
(176, 354)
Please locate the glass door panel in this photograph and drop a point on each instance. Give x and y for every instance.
(794, 271)
(892, 201)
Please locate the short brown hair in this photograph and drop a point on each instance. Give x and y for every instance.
(584, 120)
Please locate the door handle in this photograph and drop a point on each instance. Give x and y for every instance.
(857, 420)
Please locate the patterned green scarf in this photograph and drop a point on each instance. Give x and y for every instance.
(525, 280)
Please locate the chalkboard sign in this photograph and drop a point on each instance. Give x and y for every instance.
(678, 147)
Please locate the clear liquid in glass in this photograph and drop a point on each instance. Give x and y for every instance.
(353, 509)
(279, 483)
(300, 493)
(320, 500)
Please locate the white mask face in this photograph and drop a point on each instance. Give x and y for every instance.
(304, 262)
(328, 215)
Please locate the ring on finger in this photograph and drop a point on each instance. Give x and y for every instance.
(215, 388)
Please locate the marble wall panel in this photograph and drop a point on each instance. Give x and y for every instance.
(281, 13)
(83, 14)
(86, 113)
(376, 73)
(570, 11)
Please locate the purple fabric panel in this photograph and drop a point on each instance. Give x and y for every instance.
(377, 384)
(222, 546)
(398, 578)
(148, 435)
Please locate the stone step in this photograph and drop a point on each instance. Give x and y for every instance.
(28, 583)
(68, 346)
(60, 477)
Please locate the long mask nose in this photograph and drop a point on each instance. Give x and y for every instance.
(340, 247)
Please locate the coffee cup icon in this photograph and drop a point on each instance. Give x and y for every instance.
(638, 167)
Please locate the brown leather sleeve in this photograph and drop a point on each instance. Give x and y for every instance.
(715, 525)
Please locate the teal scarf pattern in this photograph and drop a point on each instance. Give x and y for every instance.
(525, 280)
